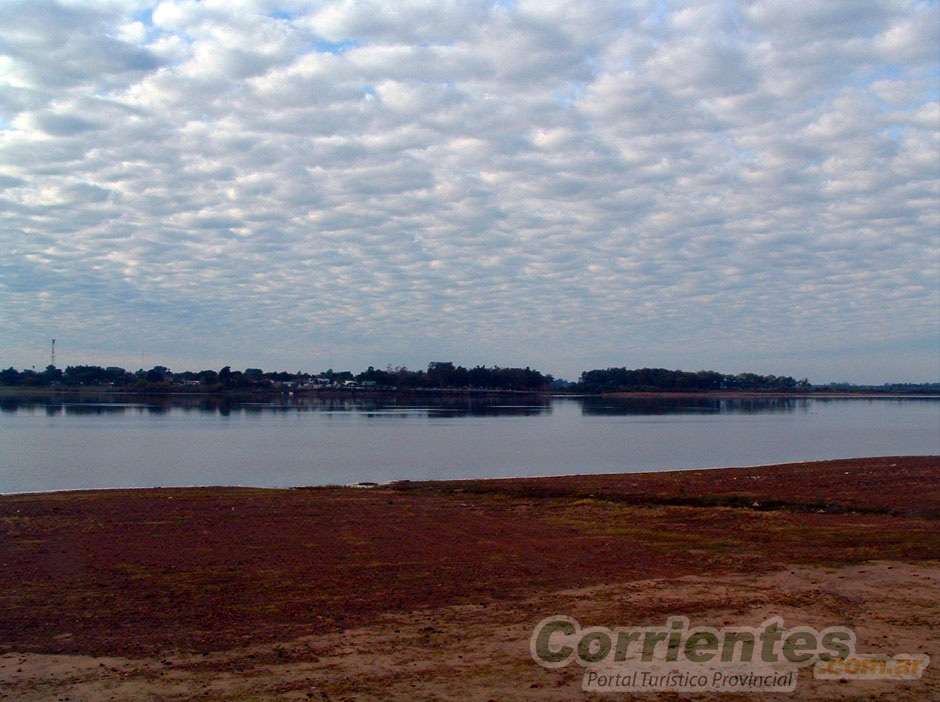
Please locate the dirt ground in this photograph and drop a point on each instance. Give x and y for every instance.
(432, 591)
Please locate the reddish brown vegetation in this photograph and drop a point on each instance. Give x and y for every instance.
(137, 571)
(898, 485)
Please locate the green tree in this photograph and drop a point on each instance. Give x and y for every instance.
(10, 376)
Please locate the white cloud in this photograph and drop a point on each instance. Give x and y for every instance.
(567, 185)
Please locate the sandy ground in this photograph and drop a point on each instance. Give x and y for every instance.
(475, 653)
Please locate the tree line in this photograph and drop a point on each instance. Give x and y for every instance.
(663, 380)
(439, 374)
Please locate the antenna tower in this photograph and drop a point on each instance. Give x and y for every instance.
(52, 362)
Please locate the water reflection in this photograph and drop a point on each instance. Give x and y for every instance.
(391, 406)
(381, 407)
(601, 406)
(371, 407)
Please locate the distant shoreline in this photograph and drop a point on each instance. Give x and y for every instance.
(809, 394)
(14, 390)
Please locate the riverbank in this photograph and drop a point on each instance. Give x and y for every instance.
(7, 391)
(430, 590)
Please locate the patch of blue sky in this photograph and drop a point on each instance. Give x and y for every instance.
(435, 43)
(731, 12)
(336, 47)
(933, 92)
(737, 152)
(894, 132)
(571, 94)
(885, 71)
(658, 12)
(144, 16)
(594, 65)
(889, 72)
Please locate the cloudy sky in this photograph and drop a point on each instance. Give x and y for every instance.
(740, 186)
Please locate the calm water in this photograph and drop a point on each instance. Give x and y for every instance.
(49, 444)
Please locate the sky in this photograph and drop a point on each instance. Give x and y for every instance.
(737, 186)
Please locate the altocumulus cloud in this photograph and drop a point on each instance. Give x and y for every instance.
(731, 185)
